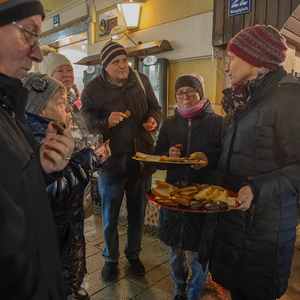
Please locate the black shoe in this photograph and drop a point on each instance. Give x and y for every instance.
(81, 294)
(109, 271)
(137, 267)
(177, 297)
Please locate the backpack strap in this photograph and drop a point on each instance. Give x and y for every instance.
(140, 80)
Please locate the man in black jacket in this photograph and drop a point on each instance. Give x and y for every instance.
(104, 102)
(29, 258)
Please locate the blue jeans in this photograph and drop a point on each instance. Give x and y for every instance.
(111, 190)
(179, 273)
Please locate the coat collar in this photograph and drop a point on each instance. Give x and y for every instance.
(257, 88)
(13, 96)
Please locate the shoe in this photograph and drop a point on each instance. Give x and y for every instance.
(177, 297)
(137, 267)
(109, 271)
(81, 294)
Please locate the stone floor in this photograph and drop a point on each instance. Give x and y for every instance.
(157, 283)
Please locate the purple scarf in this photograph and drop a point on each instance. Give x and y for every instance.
(190, 112)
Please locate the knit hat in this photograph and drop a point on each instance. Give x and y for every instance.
(188, 80)
(110, 51)
(41, 89)
(260, 46)
(15, 10)
(51, 60)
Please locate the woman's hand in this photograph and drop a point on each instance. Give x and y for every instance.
(244, 198)
(56, 149)
(103, 152)
(174, 152)
(200, 156)
(115, 118)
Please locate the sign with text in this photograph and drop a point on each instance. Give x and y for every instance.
(56, 21)
(107, 21)
(238, 7)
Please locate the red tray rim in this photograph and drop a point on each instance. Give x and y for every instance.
(183, 208)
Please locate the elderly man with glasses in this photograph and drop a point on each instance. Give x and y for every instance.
(29, 258)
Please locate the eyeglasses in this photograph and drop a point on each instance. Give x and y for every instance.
(228, 59)
(31, 36)
(189, 93)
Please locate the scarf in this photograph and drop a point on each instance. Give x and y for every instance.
(241, 93)
(190, 112)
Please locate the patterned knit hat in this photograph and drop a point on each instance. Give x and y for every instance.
(41, 89)
(110, 51)
(15, 10)
(52, 60)
(260, 46)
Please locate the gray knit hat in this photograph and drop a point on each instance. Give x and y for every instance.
(15, 10)
(41, 89)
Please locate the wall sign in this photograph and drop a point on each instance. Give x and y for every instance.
(238, 7)
(56, 21)
(107, 21)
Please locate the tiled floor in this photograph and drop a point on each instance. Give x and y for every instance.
(157, 283)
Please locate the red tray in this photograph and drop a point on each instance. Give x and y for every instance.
(183, 208)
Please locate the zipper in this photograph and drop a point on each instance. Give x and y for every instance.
(231, 146)
(186, 171)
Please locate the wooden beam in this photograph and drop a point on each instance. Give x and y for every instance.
(250, 17)
(238, 24)
(284, 12)
(218, 23)
(228, 25)
(293, 25)
(272, 13)
(260, 12)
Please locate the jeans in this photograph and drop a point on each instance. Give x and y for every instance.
(111, 190)
(179, 273)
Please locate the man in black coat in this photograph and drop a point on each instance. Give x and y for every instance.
(29, 257)
(105, 100)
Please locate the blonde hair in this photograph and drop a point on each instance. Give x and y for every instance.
(59, 92)
(76, 91)
(45, 50)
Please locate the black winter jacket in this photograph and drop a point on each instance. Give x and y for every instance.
(29, 255)
(201, 132)
(66, 199)
(99, 98)
(253, 250)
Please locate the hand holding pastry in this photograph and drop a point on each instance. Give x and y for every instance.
(199, 156)
(115, 118)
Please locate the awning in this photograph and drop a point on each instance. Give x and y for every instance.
(135, 51)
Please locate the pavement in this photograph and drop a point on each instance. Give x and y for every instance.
(157, 283)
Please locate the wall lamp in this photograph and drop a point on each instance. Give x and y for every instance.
(131, 11)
